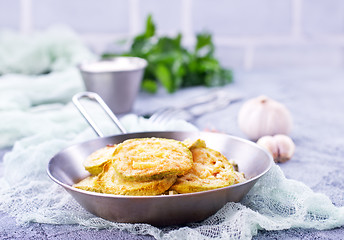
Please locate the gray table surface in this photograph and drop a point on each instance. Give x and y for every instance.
(316, 100)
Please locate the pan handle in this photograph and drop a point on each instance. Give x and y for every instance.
(95, 97)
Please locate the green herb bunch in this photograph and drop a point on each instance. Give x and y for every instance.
(173, 65)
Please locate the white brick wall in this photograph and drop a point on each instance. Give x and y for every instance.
(249, 34)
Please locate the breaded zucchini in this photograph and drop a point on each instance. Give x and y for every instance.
(146, 159)
(112, 183)
(94, 163)
(89, 184)
(194, 143)
(153, 166)
(210, 170)
(239, 177)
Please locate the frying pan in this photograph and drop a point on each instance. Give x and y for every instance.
(66, 168)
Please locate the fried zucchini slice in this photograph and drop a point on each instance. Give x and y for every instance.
(112, 183)
(144, 159)
(194, 143)
(89, 184)
(210, 170)
(239, 177)
(94, 163)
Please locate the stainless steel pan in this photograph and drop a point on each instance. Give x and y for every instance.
(66, 168)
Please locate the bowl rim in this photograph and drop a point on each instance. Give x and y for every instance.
(143, 63)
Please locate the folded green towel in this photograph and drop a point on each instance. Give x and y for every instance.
(40, 68)
(56, 49)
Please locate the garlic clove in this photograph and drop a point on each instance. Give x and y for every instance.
(280, 146)
(263, 116)
(286, 147)
(269, 144)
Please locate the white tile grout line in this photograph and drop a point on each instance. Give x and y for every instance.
(279, 40)
(247, 43)
(134, 18)
(296, 29)
(248, 57)
(26, 20)
(186, 21)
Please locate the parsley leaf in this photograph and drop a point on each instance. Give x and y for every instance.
(172, 65)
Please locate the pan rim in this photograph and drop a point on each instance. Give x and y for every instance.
(113, 196)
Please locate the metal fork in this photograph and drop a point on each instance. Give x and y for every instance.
(182, 108)
(195, 107)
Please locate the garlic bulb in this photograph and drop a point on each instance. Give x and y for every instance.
(263, 116)
(280, 146)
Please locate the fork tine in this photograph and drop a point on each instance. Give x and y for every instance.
(172, 114)
(164, 116)
(155, 117)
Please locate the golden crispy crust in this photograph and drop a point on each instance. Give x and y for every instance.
(89, 184)
(151, 158)
(190, 144)
(211, 170)
(94, 163)
(112, 183)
